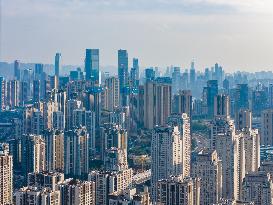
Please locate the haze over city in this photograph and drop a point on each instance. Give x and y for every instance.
(237, 34)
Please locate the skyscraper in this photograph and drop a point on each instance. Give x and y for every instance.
(243, 119)
(169, 155)
(241, 97)
(267, 127)
(57, 69)
(182, 102)
(257, 188)
(221, 105)
(123, 75)
(112, 94)
(92, 68)
(157, 103)
(212, 91)
(6, 175)
(2, 93)
(17, 71)
(246, 158)
(76, 153)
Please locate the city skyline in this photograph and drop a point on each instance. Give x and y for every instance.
(234, 33)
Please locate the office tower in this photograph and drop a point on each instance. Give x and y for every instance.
(45, 179)
(226, 86)
(123, 74)
(58, 120)
(178, 191)
(110, 182)
(257, 188)
(157, 103)
(267, 127)
(218, 73)
(13, 93)
(34, 196)
(246, 158)
(134, 74)
(168, 157)
(38, 71)
(6, 175)
(76, 153)
(54, 140)
(17, 71)
(183, 102)
(212, 91)
(221, 105)
(57, 70)
(176, 80)
(149, 74)
(33, 121)
(33, 154)
(243, 119)
(241, 97)
(259, 99)
(208, 167)
(36, 91)
(192, 75)
(112, 97)
(92, 68)
(2, 93)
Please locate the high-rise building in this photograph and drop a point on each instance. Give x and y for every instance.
(92, 68)
(6, 175)
(208, 167)
(45, 179)
(221, 105)
(54, 140)
(182, 102)
(2, 93)
(33, 154)
(58, 120)
(270, 95)
(110, 182)
(112, 94)
(212, 91)
(246, 158)
(36, 91)
(157, 103)
(123, 75)
(115, 159)
(178, 191)
(17, 71)
(243, 119)
(257, 188)
(75, 192)
(267, 127)
(241, 97)
(35, 196)
(134, 74)
(76, 152)
(13, 93)
(169, 155)
(57, 70)
(222, 135)
(192, 75)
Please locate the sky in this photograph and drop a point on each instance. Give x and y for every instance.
(237, 34)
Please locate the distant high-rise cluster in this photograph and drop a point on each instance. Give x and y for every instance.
(142, 136)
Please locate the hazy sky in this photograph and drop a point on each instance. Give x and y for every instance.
(238, 34)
